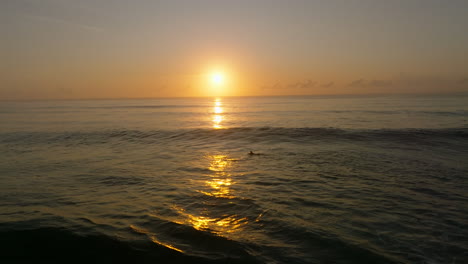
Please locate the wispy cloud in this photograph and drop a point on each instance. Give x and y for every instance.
(307, 86)
(276, 86)
(356, 83)
(410, 83)
(66, 22)
(327, 85)
(362, 83)
(302, 85)
(398, 84)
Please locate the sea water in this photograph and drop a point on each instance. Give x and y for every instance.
(332, 179)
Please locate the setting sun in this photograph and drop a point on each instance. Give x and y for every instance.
(217, 78)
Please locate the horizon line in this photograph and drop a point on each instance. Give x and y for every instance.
(460, 93)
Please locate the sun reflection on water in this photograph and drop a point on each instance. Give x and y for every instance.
(218, 185)
(221, 181)
(217, 117)
(222, 225)
(218, 109)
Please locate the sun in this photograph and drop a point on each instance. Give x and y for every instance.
(217, 78)
(216, 81)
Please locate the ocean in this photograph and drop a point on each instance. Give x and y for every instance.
(331, 179)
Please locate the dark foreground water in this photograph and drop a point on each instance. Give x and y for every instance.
(336, 180)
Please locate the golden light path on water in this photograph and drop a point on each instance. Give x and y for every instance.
(219, 186)
(215, 186)
(217, 117)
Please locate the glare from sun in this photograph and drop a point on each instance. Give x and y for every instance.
(217, 78)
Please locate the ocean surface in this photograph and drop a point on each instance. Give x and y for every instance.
(371, 179)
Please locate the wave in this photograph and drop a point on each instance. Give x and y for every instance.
(60, 245)
(256, 134)
(62, 108)
(66, 245)
(327, 246)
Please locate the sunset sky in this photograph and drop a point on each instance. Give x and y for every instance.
(68, 49)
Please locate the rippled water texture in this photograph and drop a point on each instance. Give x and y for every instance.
(330, 180)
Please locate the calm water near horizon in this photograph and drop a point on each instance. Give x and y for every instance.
(371, 179)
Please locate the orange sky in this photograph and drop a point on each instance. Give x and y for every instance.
(56, 49)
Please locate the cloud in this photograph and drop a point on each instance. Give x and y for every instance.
(362, 83)
(275, 86)
(357, 83)
(405, 83)
(379, 83)
(63, 22)
(73, 14)
(399, 84)
(302, 85)
(327, 85)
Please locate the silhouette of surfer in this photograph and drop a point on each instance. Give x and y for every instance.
(252, 153)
